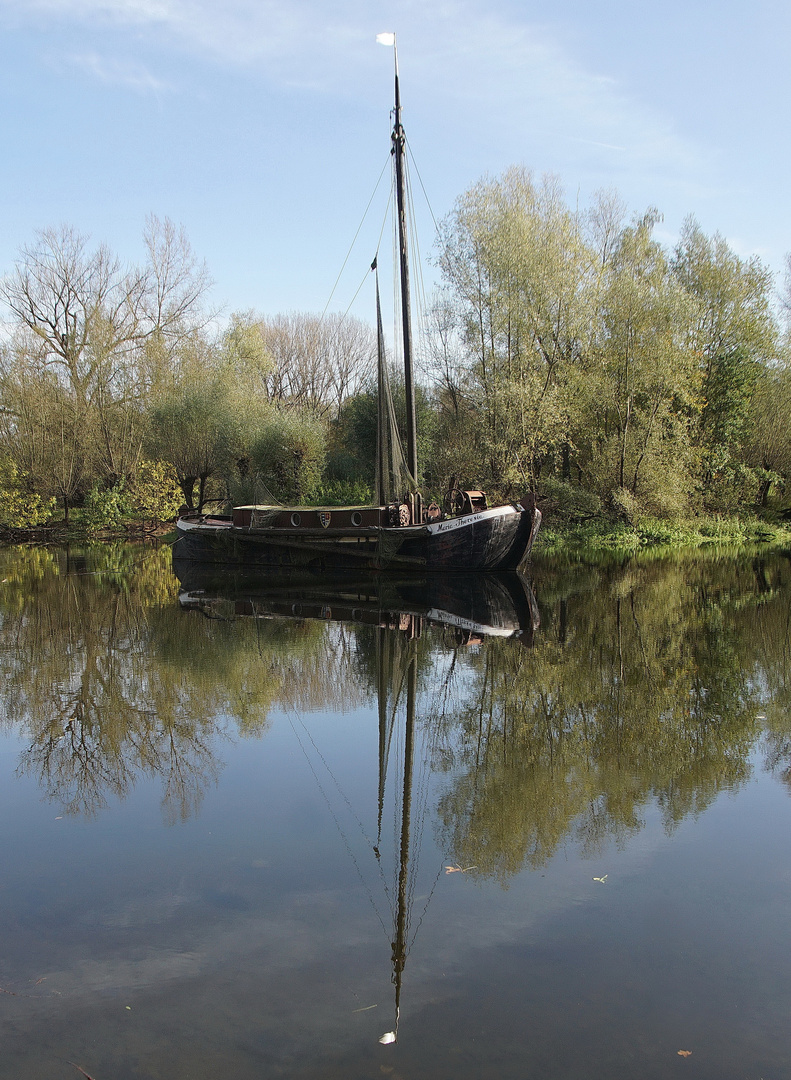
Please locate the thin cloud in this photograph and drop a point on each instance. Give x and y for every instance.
(116, 72)
(514, 77)
(67, 10)
(520, 77)
(748, 251)
(603, 145)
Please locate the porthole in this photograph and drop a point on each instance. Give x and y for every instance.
(357, 518)
(295, 520)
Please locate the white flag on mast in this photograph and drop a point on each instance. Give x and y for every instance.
(386, 39)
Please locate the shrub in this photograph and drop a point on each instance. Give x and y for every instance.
(20, 508)
(290, 452)
(344, 493)
(154, 491)
(625, 505)
(568, 502)
(105, 508)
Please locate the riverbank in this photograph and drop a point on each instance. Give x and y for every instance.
(652, 534)
(60, 533)
(576, 540)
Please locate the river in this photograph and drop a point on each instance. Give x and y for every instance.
(376, 828)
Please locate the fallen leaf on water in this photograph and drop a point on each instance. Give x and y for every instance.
(459, 869)
(388, 1037)
(685, 1053)
(365, 1008)
(601, 879)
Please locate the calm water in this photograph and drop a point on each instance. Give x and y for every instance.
(226, 823)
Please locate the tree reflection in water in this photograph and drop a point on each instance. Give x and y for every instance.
(648, 684)
(109, 682)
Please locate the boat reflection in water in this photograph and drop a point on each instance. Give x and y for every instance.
(471, 606)
(475, 605)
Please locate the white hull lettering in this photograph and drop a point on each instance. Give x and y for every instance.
(468, 519)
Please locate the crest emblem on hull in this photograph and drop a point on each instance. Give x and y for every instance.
(324, 517)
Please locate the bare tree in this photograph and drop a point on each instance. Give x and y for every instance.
(99, 332)
(82, 306)
(92, 314)
(175, 282)
(317, 363)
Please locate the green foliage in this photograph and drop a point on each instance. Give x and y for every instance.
(624, 505)
(343, 493)
(154, 491)
(521, 280)
(568, 502)
(640, 382)
(733, 331)
(289, 451)
(20, 508)
(768, 445)
(195, 428)
(588, 539)
(351, 448)
(568, 347)
(577, 337)
(106, 508)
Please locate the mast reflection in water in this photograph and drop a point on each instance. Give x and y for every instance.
(472, 606)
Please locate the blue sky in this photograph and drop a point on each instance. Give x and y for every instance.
(262, 125)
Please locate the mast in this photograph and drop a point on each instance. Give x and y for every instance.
(399, 150)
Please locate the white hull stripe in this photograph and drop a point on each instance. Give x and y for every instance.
(470, 519)
(437, 527)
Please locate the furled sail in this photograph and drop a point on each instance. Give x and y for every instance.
(393, 479)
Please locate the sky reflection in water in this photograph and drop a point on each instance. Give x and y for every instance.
(207, 859)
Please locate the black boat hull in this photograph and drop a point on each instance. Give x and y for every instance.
(497, 539)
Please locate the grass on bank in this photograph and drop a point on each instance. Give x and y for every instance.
(651, 533)
(577, 522)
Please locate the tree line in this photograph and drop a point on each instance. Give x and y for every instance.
(579, 352)
(568, 351)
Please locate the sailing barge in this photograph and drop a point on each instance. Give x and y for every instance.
(466, 534)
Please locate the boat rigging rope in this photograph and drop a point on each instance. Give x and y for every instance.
(368, 270)
(422, 187)
(338, 825)
(354, 241)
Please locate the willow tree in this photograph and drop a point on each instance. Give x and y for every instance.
(523, 282)
(641, 381)
(733, 332)
(194, 427)
(767, 445)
